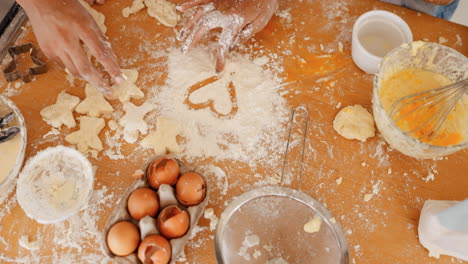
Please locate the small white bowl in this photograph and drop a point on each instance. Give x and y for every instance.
(375, 34)
(53, 193)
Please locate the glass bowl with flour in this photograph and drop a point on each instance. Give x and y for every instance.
(55, 184)
(413, 68)
(11, 152)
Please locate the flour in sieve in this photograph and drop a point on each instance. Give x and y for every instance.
(254, 134)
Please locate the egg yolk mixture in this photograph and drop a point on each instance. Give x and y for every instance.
(410, 118)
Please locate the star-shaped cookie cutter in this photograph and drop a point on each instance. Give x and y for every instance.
(12, 74)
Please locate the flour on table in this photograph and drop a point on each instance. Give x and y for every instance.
(94, 104)
(375, 191)
(354, 122)
(87, 137)
(127, 90)
(61, 113)
(254, 134)
(53, 132)
(133, 120)
(98, 17)
(210, 215)
(28, 244)
(163, 140)
(165, 12)
(136, 6)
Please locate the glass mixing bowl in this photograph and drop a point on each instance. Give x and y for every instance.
(426, 56)
(8, 184)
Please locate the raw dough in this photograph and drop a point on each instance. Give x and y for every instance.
(164, 11)
(94, 104)
(163, 140)
(313, 226)
(133, 120)
(61, 113)
(98, 17)
(354, 122)
(127, 90)
(87, 137)
(137, 5)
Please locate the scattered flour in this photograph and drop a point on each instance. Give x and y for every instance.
(375, 191)
(70, 238)
(430, 177)
(252, 135)
(442, 40)
(28, 244)
(209, 214)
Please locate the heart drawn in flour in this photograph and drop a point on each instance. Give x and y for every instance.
(217, 94)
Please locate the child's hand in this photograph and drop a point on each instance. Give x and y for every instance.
(62, 27)
(239, 20)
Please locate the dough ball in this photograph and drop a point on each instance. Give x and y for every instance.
(354, 122)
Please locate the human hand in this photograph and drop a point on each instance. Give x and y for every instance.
(239, 19)
(61, 27)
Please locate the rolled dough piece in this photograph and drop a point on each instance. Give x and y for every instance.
(61, 113)
(127, 90)
(165, 12)
(313, 226)
(163, 140)
(137, 5)
(133, 120)
(87, 137)
(94, 104)
(98, 17)
(354, 122)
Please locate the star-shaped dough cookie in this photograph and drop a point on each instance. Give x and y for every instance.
(94, 104)
(163, 140)
(127, 90)
(61, 113)
(87, 137)
(133, 120)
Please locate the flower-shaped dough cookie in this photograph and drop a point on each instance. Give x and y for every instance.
(61, 113)
(87, 137)
(163, 140)
(94, 104)
(133, 120)
(127, 90)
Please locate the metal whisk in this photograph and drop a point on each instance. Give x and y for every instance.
(441, 100)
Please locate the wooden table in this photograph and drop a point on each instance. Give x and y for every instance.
(383, 230)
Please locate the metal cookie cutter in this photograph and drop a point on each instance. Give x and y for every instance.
(10, 132)
(12, 74)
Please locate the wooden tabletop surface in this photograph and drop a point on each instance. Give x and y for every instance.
(382, 230)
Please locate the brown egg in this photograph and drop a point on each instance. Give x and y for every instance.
(163, 171)
(143, 202)
(173, 222)
(154, 249)
(123, 238)
(190, 189)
